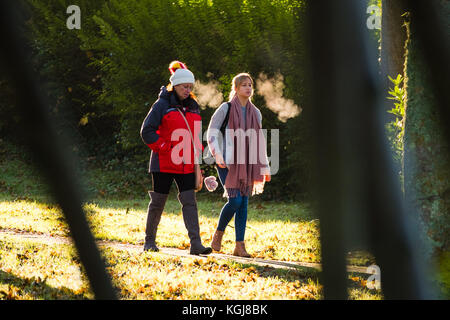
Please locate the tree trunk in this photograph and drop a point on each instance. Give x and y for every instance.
(392, 53)
(426, 155)
(393, 37)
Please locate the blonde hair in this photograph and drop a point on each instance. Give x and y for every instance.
(169, 88)
(237, 81)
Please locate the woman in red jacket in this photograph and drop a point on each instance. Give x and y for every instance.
(165, 132)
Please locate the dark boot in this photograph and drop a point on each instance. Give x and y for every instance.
(190, 217)
(155, 209)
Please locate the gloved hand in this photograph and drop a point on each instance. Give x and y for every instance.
(219, 160)
(165, 147)
(211, 183)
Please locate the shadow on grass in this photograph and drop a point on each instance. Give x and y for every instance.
(19, 288)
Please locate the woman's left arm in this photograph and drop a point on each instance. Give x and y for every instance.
(266, 169)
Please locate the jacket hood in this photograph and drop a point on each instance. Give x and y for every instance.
(163, 93)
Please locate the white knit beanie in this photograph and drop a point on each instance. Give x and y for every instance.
(182, 76)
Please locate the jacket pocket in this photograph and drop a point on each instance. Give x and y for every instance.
(167, 164)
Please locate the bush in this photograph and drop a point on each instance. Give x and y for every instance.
(101, 80)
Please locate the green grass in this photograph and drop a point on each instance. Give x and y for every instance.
(31, 270)
(293, 239)
(41, 271)
(36, 270)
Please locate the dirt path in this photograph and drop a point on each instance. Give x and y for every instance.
(53, 239)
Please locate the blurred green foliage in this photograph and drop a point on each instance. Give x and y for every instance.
(101, 80)
(395, 128)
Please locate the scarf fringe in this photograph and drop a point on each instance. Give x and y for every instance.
(257, 188)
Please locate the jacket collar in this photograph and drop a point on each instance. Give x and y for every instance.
(173, 100)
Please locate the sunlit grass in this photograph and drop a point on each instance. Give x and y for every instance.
(295, 240)
(31, 269)
(32, 216)
(40, 271)
(193, 278)
(52, 271)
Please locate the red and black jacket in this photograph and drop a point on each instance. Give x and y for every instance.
(165, 125)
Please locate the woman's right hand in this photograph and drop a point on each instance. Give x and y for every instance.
(219, 160)
(165, 147)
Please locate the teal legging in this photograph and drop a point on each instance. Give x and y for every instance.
(236, 205)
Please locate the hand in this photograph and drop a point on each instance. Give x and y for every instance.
(219, 160)
(165, 147)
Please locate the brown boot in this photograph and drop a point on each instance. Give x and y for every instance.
(216, 243)
(240, 251)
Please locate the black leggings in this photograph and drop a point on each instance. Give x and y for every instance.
(162, 181)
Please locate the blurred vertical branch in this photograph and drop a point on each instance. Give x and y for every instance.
(359, 200)
(393, 38)
(47, 147)
(426, 136)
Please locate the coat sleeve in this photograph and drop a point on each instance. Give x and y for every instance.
(214, 134)
(265, 170)
(259, 117)
(150, 127)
